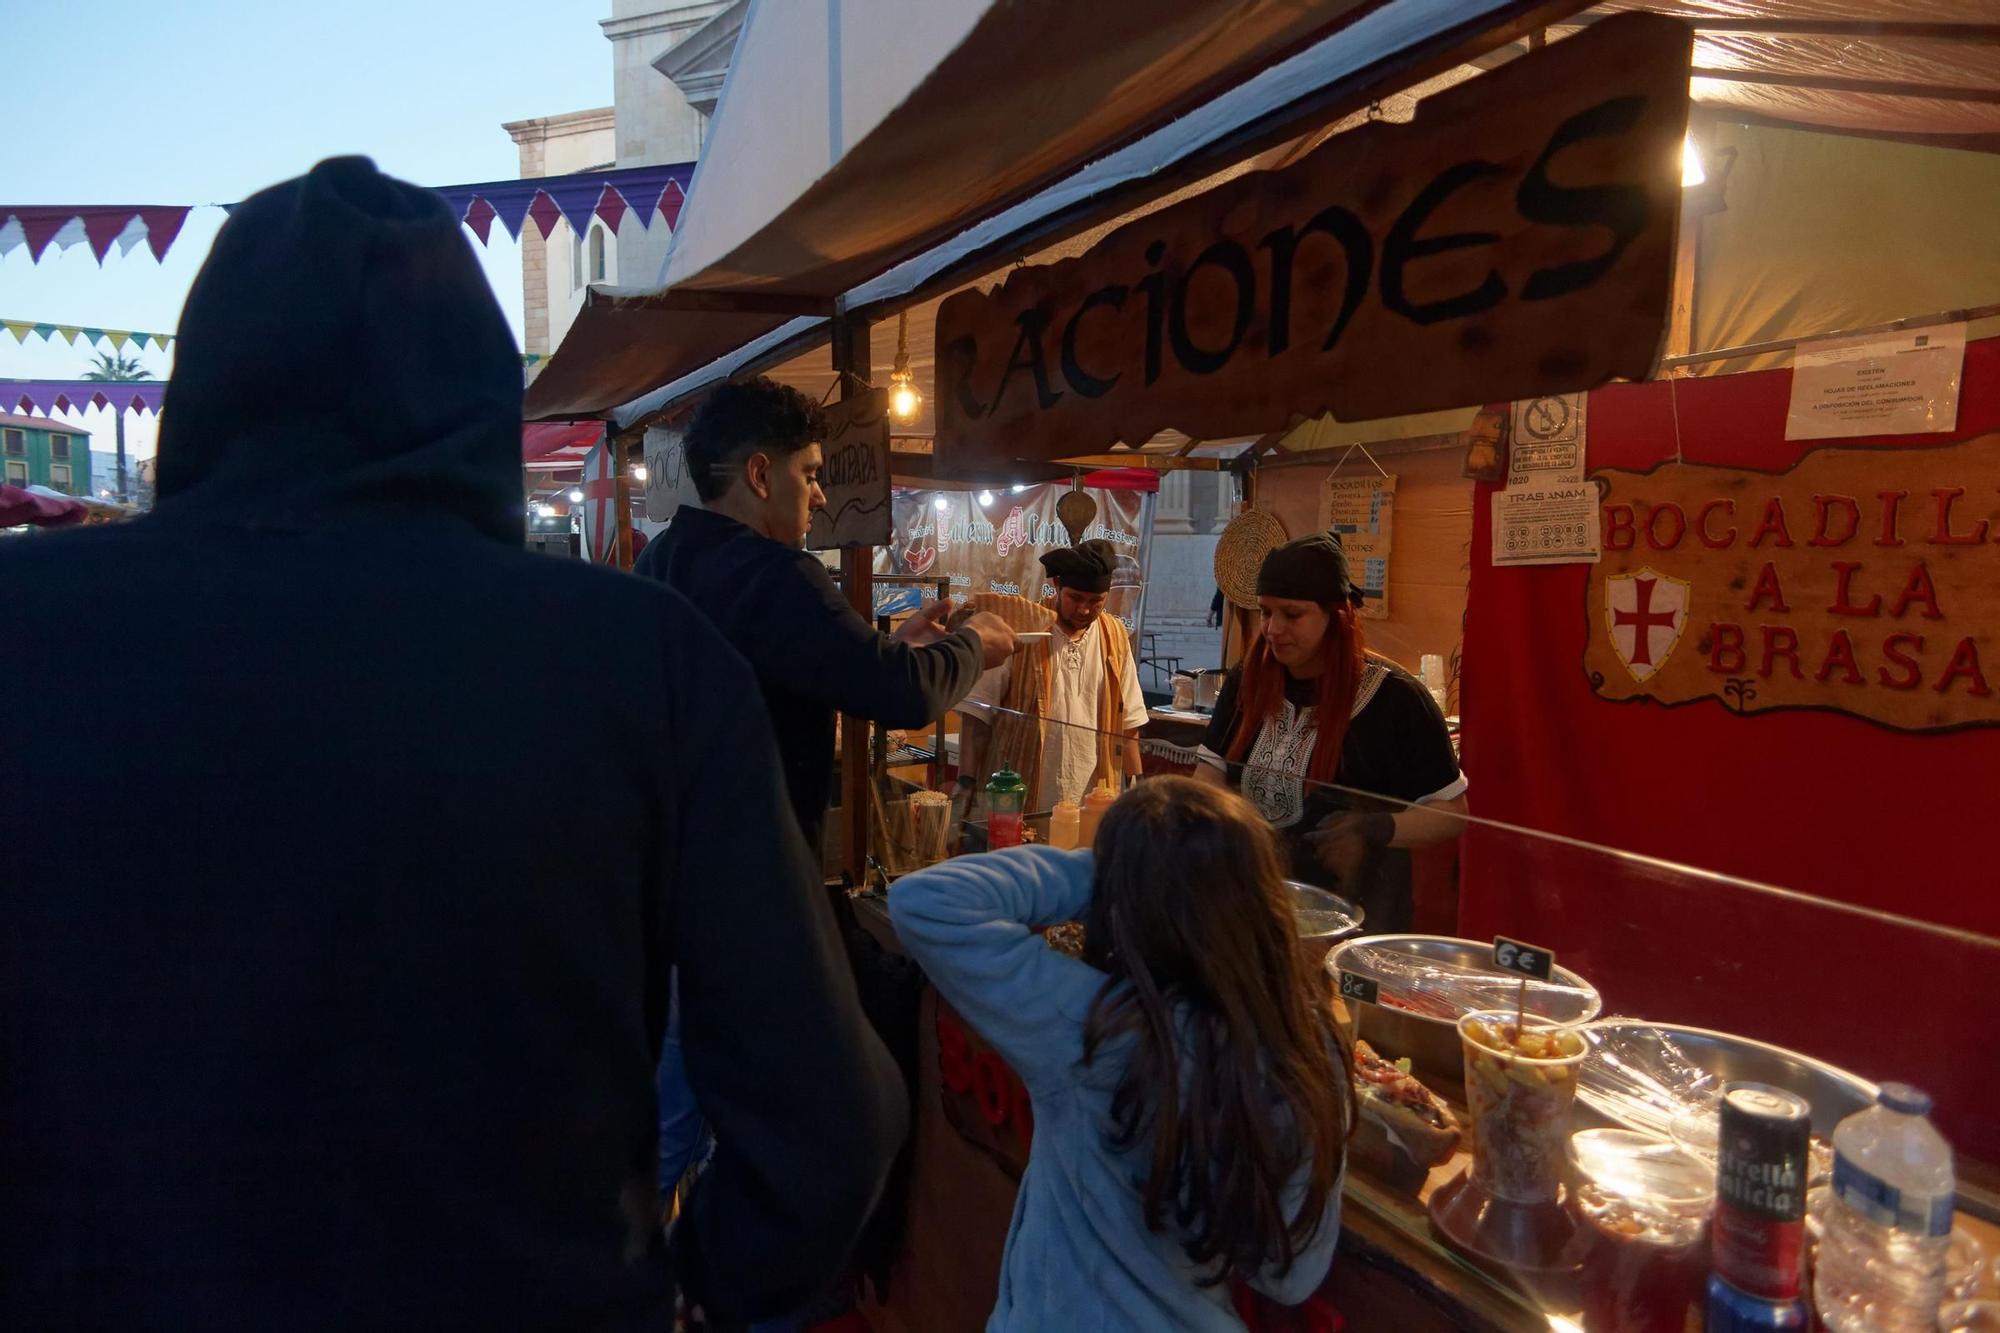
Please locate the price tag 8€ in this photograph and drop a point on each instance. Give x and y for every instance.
(1356, 987)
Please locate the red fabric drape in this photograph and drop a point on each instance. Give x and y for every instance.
(1821, 802)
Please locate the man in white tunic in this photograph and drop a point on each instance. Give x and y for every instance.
(1066, 712)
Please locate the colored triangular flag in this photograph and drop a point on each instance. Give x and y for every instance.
(479, 216)
(141, 339)
(611, 207)
(69, 333)
(95, 336)
(20, 328)
(545, 213)
(118, 338)
(162, 226)
(46, 332)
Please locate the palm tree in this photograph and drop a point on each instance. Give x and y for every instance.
(110, 368)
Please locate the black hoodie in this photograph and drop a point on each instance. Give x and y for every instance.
(346, 847)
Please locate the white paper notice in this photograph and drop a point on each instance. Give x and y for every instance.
(1548, 513)
(1546, 525)
(1904, 384)
(1548, 440)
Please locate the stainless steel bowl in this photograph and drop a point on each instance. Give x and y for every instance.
(1431, 1043)
(1834, 1093)
(1322, 914)
(1324, 920)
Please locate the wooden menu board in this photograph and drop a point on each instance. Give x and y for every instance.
(1516, 239)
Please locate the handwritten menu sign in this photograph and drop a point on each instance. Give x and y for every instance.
(1517, 238)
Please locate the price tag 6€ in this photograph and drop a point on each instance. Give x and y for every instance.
(1355, 987)
(1527, 959)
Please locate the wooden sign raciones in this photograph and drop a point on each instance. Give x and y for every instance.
(1517, 238)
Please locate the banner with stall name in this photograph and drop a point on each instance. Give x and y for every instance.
(997, 546)
(1857, 581)
(1515, 239)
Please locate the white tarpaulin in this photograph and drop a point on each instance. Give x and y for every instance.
(838, 151)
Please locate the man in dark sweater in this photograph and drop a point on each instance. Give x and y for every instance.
(753, 454)
(343, 1012)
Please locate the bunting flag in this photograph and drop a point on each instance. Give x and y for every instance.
(100, 226)
(52, 396)
(69, 333)
(645, 192)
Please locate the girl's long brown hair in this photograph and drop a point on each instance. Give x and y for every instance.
(1261, 690)
(1235, 1071)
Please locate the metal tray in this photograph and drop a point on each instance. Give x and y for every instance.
(1834, 1093)
(1432, 1044)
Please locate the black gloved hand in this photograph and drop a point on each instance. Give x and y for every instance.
(1343, 842)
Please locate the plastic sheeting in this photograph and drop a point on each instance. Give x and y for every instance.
(1918, 68)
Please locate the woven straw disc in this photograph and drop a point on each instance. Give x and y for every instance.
(1076, 510)
(1240, 552)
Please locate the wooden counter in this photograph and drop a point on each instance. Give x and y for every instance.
(962, 1198)
(1392, 1271)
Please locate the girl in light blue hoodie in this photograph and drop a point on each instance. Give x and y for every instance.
(1191, 1094)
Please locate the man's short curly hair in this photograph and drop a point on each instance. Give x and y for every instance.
(744, 418)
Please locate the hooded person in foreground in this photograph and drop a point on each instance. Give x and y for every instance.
(1317, 732)
(345, 1013)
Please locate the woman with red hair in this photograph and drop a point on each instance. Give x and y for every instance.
(1345, 753)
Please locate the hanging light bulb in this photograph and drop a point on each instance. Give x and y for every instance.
(940, 504)
(985, 498)
(1692, 173)
(638, 472)
(904, 400)
(1020, 486)
(576, 495)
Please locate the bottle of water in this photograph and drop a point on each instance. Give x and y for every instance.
(1888, 1225)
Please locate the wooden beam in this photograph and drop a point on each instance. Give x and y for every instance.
(852, 362)
(1982, 33)
(1985, 33)
(736, 303)
(1869, 87)
(622, 447)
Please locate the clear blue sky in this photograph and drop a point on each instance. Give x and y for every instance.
(199, 101)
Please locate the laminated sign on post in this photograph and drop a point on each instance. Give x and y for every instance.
(1516, 239)
(855, 475)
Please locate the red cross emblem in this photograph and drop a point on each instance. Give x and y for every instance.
(1645, 613)
(600, 506)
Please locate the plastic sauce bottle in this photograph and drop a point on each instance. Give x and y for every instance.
(1094, 805)
(1888, 1225)
(1006, 797)
(1065, 825)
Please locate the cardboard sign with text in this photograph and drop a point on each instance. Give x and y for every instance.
(1862, 581)
(1515, 239)
(855, 475)
(668, 485)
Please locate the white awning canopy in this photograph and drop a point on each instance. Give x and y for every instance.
(851, 138)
